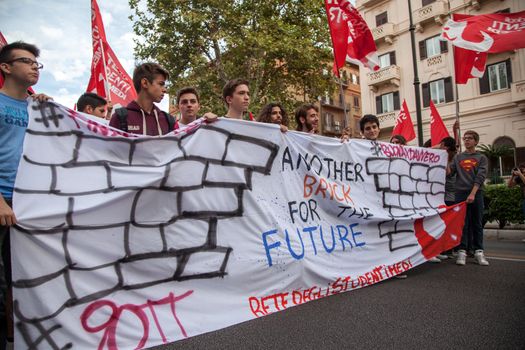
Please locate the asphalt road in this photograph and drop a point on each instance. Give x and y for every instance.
(439, 306)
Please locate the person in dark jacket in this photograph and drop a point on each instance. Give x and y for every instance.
(142, 116)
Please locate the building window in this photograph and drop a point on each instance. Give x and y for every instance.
(387, 103)
(438, 90)
(387, 59)
(356, 102)
(328, 121)
(381, 19)
(355, 79)
(432, 47)
(498, 76)
(427, 2)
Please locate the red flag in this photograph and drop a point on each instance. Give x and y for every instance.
(3, 42)
(350, 35)
(108, 77)
(492, 33)
(451, 220)
(468, 64)
(404, 125)
(438, 131)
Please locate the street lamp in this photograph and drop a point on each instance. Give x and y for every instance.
(416, 77)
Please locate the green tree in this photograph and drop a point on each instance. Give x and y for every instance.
(493, 153)
(281, 47)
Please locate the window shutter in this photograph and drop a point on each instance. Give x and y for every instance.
(379, 107)
(443, 46)
(393, 58)
(449, 94)
(426, 94)
(484, 87)
(509, 71)
(422, 50)
(396, 101)
(427, 2)
(381, 19)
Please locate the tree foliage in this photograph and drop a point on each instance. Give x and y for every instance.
(281, 47)
(503, 204)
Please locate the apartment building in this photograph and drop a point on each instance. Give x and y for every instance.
(332, 107)
(494, 105)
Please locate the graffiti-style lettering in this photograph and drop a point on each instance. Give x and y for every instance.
(109, 327)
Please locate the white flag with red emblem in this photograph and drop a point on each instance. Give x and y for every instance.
(404, 125)
(350, 35)
(474, 37)
(108, 77)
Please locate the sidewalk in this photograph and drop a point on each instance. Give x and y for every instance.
(514, 232)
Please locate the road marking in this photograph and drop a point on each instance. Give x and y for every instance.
(505, 259)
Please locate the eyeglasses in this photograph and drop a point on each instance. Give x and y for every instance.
(28, 61)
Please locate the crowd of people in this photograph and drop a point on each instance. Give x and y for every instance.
(466, 171)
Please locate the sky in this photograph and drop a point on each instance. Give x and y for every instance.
(62, 31)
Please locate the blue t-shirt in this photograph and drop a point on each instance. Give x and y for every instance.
(13, 124)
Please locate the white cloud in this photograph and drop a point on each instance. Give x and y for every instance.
(62, 31)
(107, 18)
(52, 32)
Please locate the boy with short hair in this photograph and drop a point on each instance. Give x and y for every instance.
(142, 116)
(93, 104)
(470, 168)
(369, 126)
(236, 95)
(20, 69)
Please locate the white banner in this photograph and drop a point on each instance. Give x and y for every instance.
(128, 241)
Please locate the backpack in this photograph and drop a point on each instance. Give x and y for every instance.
(122, 114)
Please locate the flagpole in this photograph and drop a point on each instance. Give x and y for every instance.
(341, 91)
(416, 78)
(107, 85)
(456, 137)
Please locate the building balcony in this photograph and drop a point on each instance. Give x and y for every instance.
(366, 3)
(517, 93)
(435, 12)
(387, 120)
(335, 128)
(477, 4)
(330, 102)
(385, 76)
(434, 63)
(384, 33)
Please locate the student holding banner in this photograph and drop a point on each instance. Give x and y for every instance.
(142, 116)
(236, 95)
(188, 104)
(307, 118)
(20, 71)
(369, 126)
(274, 113)
(470, 168)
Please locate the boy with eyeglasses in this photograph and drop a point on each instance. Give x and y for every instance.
(470, 168)
(20, 69)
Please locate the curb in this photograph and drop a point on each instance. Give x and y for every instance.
(514, 235)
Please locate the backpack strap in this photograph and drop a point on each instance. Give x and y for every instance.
(122, 114)
(172, 122)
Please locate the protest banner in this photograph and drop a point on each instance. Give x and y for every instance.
(128, 241)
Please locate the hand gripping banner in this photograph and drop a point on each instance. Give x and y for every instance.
(129, 241)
